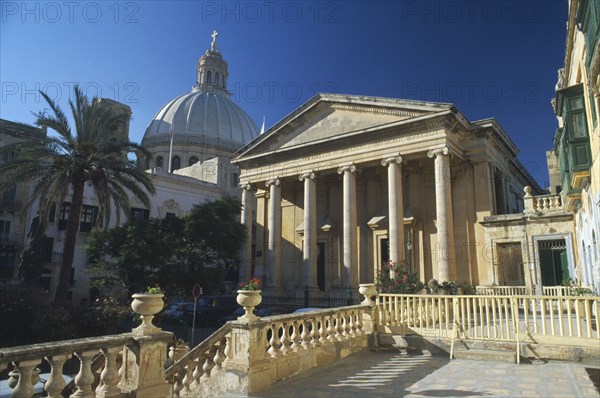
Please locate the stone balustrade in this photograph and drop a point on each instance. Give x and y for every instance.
(246, 357)
(194, 370)
(541, 202)
(108, 366)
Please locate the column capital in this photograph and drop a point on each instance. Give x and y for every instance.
(440, 151)
(392, 159)
(347, 168)
(245, 186)
(274, 181)
(307, 175)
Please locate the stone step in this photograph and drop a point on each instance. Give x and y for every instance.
(486, 355)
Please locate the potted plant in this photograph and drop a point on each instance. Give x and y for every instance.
(248, 296)
(147, 305)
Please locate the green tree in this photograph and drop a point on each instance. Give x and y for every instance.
(176, 253)
(93, 151)
(132, 255)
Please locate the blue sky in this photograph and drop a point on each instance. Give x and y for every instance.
(491, 58)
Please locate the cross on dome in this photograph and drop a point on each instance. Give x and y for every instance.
(213, 44)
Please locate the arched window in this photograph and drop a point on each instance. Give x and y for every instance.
(158, 162)
(217, 79)
(208, 77)
(175, 163)
(193, 161)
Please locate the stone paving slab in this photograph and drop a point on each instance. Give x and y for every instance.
(391, 374)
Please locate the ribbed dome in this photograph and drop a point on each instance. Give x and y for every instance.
(207, 114)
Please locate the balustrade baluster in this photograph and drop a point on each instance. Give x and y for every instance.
(198, 370)
(178, 384)
(55, 383)
(208, 365)
(339, 327)
(352, 324)
(219, 356)
(109, 378)
(343, 332)
(331, 329)
(285, 339)
(322, 336)
(189, 377)
(295, 337)
(305, 335)
(274, 342)
(85, 377)
(228, 349)
(24, 387)
(359, 323)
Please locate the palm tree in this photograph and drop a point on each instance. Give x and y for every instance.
(93, 152)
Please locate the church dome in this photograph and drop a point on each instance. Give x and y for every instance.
(205, 120)
(204, 117)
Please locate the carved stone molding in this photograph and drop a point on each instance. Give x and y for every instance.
(245, 186)
(274, 181)
(391, 159)
(308, 174)
(351, 168)
(440, 151)
(169, 206)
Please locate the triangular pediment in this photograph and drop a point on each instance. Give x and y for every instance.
(327, 117)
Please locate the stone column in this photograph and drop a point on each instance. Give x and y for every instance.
(395, 207)
(262, 222)
(442, 207)
(246, 255)
(349, 235)
(274, 243)
(309, 252)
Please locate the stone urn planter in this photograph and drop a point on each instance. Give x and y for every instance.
(367, 290)
(248, 299)
(146, 306)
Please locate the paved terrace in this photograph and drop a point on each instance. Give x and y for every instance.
(391, 374)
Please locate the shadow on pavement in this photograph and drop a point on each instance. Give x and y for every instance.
(366, 375)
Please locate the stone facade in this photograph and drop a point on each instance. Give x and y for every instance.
(577, 140)
(354, 181)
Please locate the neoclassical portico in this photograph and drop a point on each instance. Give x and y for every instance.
(346, 182)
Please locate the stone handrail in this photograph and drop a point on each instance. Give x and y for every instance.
(199, 363)
(26, 358)
(293, 332)
(541, 202)
(246, 357)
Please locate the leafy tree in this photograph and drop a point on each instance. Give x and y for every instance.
(173, 252)
(92, 151)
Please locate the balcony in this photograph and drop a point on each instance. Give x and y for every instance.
(542, 203)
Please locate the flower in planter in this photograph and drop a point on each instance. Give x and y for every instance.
(396, 278)
(155, 290)
(253, 284)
